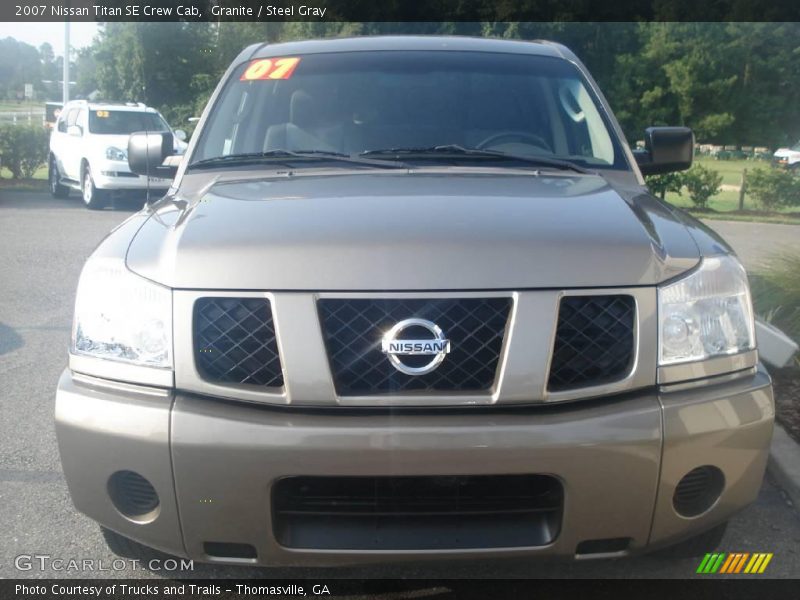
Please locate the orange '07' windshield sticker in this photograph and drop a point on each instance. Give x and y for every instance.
(270, 68)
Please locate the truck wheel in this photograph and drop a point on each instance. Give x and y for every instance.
(54, 178)
(93, 198)
(699, 545)
(127, 548)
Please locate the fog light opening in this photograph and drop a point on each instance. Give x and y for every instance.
(698, 491)
(133, 496)
(230, 551)
(604, 547)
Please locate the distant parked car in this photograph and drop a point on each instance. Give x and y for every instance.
(89, 150)
(788, 157)
(51, 112)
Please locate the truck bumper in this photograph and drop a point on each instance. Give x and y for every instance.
(214, 465)
(116, 176)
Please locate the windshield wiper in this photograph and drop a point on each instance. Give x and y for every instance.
(288, 155)
(540, 161)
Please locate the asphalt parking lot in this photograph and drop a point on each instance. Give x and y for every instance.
(43, 244)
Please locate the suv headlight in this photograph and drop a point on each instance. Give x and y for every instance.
(114, 153)
(121, 316)
(706, 314)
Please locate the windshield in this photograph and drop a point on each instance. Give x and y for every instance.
(124, 122)
(366, 102)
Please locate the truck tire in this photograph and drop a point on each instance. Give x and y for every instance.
(93, 198)
(54, 180)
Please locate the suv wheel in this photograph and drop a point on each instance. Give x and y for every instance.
(93, 198)
(54, 178)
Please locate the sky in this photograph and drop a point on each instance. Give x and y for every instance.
(36, 34)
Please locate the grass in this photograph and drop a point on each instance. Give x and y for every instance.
(722, 202)
(776, 293)
(731, 170)
(38, 183)
(776, 297)
(41, 173)
(22, 107)
(749, 217)
(725, 205)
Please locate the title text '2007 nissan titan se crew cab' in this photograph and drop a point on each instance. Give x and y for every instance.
(409, 298)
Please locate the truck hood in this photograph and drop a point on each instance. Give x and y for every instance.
(410, 231)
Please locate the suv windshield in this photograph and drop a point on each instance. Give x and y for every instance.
(124, 122)
(380, 102)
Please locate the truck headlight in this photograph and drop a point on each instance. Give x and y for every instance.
(121, 316)
(708, 313)
(114, 153)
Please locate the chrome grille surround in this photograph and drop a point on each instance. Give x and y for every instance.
(523, 365)
(594, 341)
(353, 329)
(234, 342)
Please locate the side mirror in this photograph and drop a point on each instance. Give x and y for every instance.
(146, 154)
(666, 149)
(180, 134)
(75, 130)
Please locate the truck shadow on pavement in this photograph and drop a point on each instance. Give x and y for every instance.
(9, 339)
(402, 574)
(43, 200)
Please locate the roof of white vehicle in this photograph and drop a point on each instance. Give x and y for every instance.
(121, 106)
(411, 42)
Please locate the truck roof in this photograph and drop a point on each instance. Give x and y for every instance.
(410, 42)
(126, 106)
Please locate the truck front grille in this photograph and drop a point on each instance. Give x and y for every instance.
(353, 329)
(594, 341)
(234, 342)
(417, 512)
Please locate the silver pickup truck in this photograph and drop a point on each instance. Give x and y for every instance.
(409, 298)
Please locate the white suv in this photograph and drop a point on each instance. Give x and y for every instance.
(89, 150)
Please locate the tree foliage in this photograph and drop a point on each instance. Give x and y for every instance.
(732, 82)
(659, 185)
(23, 149)
(774, 188)
(20, 63)
(702, 184)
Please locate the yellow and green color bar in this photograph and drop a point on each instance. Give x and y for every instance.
(735, 562)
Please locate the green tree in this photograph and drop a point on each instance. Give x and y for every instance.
(773, 188)
(19, 64)
(47, 57)
(733, 83)
(85, 72)
(151, 62)
(668, 182)
(23, 149)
